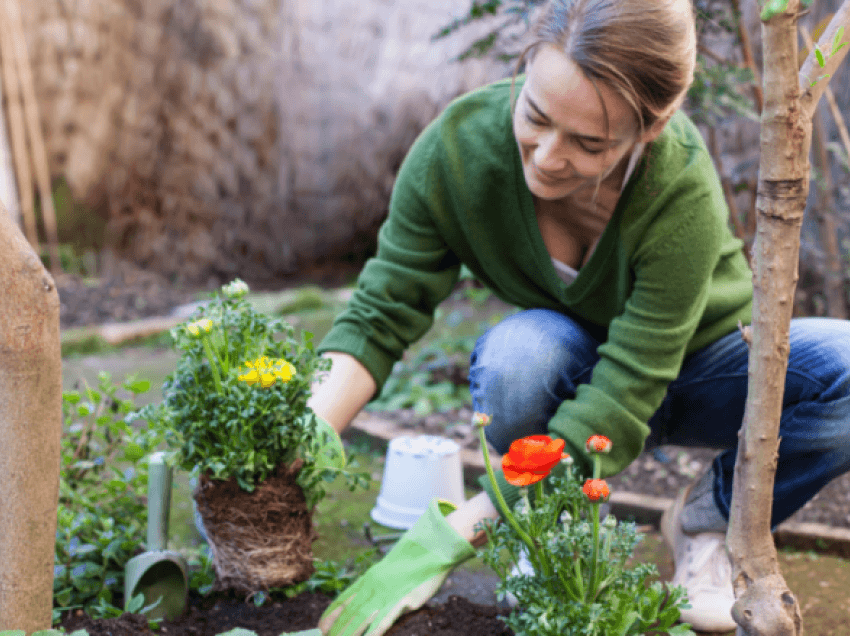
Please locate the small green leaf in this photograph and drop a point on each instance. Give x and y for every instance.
(83, 410)
(819, 55)
(71, 397)
(773, 8)
(133, 452)
(138, 386)
(836, 41)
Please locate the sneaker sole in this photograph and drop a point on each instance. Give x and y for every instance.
(669, 531)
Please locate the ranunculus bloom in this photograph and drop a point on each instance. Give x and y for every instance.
(236, 289)
(530, 459)
(596, 489)
(598, 444)
(480, 419)
(203, 325)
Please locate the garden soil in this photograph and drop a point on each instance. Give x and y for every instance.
(219, 613)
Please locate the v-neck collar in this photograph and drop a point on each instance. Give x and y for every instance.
(587, 274)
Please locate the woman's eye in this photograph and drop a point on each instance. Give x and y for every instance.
(535, 122)
(591, 151)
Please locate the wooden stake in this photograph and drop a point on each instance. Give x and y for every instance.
(17, 130)
(39, 153)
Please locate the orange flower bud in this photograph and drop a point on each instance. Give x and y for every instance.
(596, 490)
(598, 444)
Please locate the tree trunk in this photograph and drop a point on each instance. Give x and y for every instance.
(764, 605)
(30, 431)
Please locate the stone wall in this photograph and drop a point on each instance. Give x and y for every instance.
(249, 137)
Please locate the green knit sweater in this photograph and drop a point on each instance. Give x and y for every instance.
(666, 278)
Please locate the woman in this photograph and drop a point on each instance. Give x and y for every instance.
(591, 203)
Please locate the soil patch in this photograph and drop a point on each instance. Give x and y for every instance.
(222, 611)
(124, 292)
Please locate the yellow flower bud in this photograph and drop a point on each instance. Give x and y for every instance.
(195, 328)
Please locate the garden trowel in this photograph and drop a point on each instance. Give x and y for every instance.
(158, 574)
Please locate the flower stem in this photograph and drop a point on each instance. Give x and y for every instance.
(538, 498)
(501, 500)
(591, 588)
(213, 363)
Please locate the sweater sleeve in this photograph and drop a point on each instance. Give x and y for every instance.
(646, 343)
(413, 271)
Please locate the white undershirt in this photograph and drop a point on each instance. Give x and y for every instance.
(567, 273)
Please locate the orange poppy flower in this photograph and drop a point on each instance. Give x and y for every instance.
(598, 444)
(531, 458)
(596, 489)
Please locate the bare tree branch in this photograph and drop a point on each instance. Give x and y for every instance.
(811, 70)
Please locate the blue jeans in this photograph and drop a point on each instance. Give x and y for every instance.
(523, 368)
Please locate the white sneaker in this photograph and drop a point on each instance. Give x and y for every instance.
(703, 569)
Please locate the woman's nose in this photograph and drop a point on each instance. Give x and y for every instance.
(550, 154)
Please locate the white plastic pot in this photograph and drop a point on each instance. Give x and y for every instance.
(417, 469)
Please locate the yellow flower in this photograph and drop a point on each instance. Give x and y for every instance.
(266, 371)
(251, 377)
(285, 371)
(195, 328)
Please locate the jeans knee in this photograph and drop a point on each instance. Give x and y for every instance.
(522, 370)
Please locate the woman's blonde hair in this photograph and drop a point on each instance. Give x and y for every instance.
(644, 50)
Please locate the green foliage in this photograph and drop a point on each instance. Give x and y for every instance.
(224, 425)
(101, 517)
(310, 298)
(561, 603)
(715, 95)
(425, 383)
(501, 41)
(837, 45)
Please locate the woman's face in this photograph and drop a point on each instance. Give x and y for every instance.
(560, 127)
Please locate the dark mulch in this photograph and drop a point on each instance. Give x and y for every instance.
(125, 292)
(223, 611)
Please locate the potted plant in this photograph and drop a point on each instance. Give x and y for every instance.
(235, 409)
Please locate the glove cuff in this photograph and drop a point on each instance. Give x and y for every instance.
(436, 535)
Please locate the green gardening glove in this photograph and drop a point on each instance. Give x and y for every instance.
(329, 453)
(409, 574)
